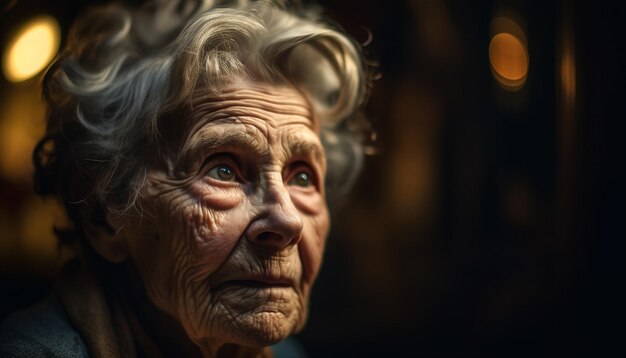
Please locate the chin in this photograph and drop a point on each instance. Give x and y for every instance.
(263, 328)
(258, 317)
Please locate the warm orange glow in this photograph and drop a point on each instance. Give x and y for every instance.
(32, 49)
(509, 60)
(22, 123)
(568, 75)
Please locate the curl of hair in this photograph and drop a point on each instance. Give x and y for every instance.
(124, 68)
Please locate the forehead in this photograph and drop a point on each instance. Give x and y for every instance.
(252, 116)
(259, 105)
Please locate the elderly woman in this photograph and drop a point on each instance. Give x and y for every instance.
(188, 142)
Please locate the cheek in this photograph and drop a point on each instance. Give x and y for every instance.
(311, 204)
(192, 234)
(207, 229)
(312, 246)
(208, 223)
(210, 235)
(214, 197)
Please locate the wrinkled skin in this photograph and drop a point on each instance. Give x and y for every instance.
(235, 226)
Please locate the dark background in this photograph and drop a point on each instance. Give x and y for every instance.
(486, 221)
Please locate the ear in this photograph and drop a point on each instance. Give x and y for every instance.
(108, 240)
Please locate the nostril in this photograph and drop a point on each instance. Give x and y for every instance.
(278, 225)
(275, 239)
(265, 236)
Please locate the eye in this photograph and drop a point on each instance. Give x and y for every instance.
(302, 179)
(222, 172)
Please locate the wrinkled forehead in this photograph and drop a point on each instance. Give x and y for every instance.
(275, 105)
(270, 109)
(232, 99)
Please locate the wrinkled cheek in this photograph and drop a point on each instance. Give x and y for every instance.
(213, 222)
(312, 247)
(204, 240)
(211, 236)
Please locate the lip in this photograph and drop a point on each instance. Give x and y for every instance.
(261, 282)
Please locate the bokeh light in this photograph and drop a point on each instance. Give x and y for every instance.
(508, 54)
(31, 49)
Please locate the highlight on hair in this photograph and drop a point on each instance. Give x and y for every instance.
(123, 69)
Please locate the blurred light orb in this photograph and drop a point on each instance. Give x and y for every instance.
(509, 60)
(508, 52)
(32, 48)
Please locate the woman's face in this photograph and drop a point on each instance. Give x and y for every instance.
(236, 223)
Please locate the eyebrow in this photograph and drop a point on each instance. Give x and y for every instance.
(212, 140)
(215, 139)
(307, 148)
(209, 141)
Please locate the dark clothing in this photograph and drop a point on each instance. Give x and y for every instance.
(42, 331)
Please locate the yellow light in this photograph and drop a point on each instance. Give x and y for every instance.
(32, 49)
(509, 60)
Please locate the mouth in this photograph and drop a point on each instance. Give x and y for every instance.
(260, 282)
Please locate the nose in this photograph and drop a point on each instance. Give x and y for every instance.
(279, 223)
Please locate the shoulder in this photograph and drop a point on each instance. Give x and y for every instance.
(41, 331)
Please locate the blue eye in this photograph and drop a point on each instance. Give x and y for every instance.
(302, 179)
(222, 172)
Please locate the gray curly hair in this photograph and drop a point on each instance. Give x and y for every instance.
(125, 70)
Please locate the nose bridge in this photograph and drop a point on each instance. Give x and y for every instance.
(278, 202)
(279, 223)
